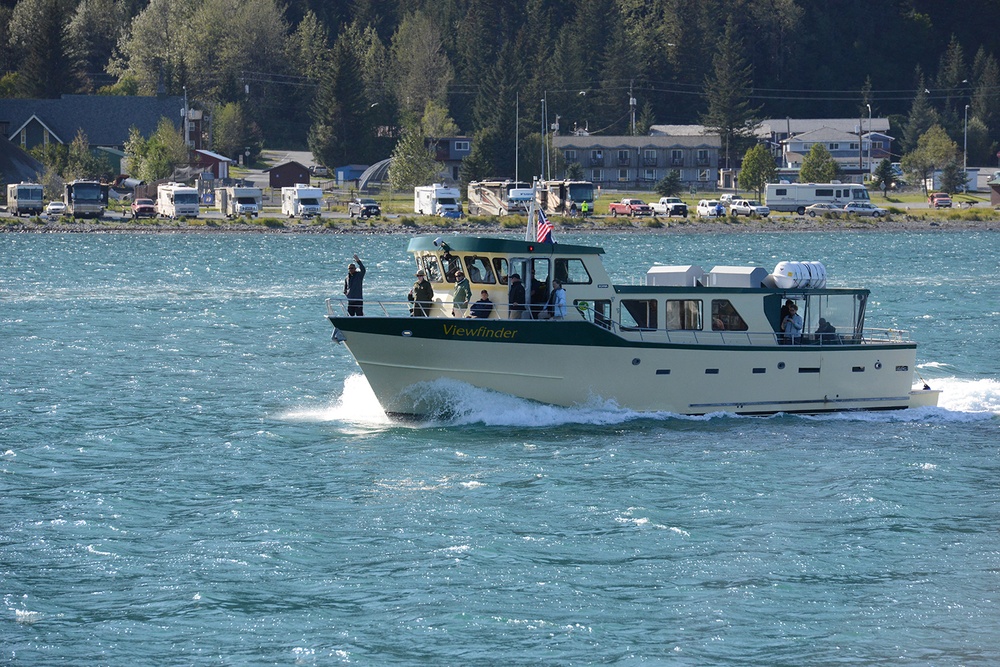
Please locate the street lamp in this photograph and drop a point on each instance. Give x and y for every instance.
(965, 153)
(869, 138)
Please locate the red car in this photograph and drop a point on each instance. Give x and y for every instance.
(143, 208)
(939, 200)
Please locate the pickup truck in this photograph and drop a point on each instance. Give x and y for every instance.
(939, 200)
(629, 206)
(670, 206)
(748, 207)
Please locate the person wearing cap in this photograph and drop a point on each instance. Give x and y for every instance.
(463, 292)
(353, 288)
(483, 307)
(421, 294)
(515, 297)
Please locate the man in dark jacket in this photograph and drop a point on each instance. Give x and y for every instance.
(422, 296)
(353, 288)
(515, 297)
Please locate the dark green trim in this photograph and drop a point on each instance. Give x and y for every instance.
(548, 332)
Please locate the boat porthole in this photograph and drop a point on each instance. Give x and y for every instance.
(635, 362)
(407, 332)
(878, 365)
(781, 365)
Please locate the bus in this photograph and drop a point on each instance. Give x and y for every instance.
(498, 197)
(561, 196)
(796, 196)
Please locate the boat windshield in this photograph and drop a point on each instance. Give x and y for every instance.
(829, 314)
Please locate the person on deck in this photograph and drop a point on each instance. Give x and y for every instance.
(558, 300)
(515, 297)
(792, 326)
(463, 292)
(422, 295)
(482, 308)
(353, 285)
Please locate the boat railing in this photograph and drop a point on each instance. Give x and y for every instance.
(443, 309)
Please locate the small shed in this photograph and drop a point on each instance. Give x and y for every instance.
(349, 174)
(287, 174)
(217, 164)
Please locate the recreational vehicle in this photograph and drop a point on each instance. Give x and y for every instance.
(796, 196)
(176, 200)
(437, 200)
(236, 201)
(24, 199)
(498, 197)
(301, 201)
(561, 196)
(85, 199)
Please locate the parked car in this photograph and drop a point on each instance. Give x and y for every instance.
(55, 208)
(864, 208)
(143, 208)
(824, 208)
(939, 200)
(710, 208)
(364, 208)
(748, 207)
(670, 206)
(319, 170)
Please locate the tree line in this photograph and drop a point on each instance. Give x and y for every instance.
(354, 81)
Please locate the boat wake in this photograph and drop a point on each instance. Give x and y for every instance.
(457, 403)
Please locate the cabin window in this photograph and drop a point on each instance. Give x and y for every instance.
(479, 271)
(431, 268)
(500, 269)
(725, 317)
(598, 312)
(683, 314)
(451, 264)
(572, 272)
(638, 314)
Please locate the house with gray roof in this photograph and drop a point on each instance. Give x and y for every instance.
(639, 162)
(105, 119)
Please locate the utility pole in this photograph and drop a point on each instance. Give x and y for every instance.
(631, 105)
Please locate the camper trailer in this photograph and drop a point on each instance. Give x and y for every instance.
(85, 199)
(437, 200)
(796, 196)
(301, 201)
(563, 197)
(237, 201)
(25, 199)
(498, 197)
(176, 200)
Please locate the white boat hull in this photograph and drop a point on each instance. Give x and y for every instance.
(561, 363)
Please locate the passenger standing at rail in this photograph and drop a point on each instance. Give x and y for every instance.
(353, 285)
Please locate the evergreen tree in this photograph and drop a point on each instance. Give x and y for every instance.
(341, 127)
(730, 113)
(952, 178)
(670, 184)
(922, 116)
(495, 110)
(36, 31)
(883, 176)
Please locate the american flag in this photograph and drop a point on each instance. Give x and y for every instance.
(544, 228)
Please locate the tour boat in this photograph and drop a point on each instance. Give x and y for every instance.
(688, 341)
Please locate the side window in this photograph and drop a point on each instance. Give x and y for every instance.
(500, 269)
(638, 314)
(479, 271)
(572, 272)
(432, 268)
(451, 264)
(683, 314)
(598, 312)
(725, 317)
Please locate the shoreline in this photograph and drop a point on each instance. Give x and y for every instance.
(784, 224)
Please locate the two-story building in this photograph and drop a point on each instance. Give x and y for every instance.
(857, 155)
(639, 162)
(449, 152)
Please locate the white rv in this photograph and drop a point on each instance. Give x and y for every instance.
(560, 196)
(25, 198)
(301, 201)
(437, 200)
(176, 200)
(796, 196)
(236, 201)
(498, 197)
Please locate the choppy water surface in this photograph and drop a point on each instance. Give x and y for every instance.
(192, 473)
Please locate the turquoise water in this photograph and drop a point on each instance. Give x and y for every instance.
(192, 473)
